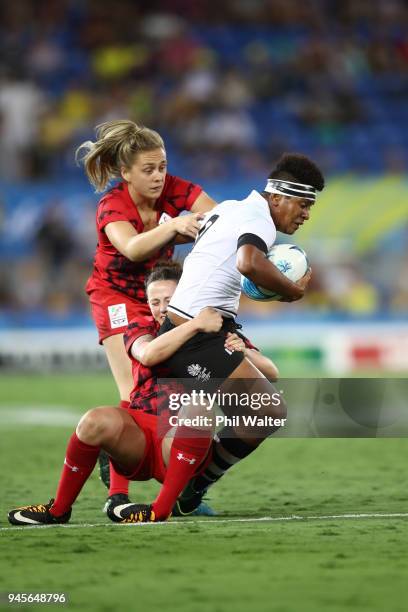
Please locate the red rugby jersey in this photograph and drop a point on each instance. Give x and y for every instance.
(112, 269)
(145, 395)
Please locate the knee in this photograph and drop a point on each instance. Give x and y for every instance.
(277, 409)
(95, 427)
(276, 413)
(282, 409)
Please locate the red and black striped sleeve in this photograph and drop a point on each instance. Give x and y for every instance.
(145, 326)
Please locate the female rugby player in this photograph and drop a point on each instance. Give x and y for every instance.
(137, 223)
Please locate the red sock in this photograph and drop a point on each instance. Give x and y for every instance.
(79, 462)
(189, 448)
(118, 482)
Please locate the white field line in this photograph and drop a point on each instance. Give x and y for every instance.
(210, 521)
(41, 415)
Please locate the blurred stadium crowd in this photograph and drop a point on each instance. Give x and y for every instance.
(229, 85)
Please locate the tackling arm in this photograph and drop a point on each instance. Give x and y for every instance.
(237, 342)
(151, 351)
(139, 247)
(203, 204)
(264, 364)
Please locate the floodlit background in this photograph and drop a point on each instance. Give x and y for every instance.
(230, 86)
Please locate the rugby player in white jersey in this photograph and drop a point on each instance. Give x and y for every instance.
(233, 240)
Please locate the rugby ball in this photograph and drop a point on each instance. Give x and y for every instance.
(290, 259)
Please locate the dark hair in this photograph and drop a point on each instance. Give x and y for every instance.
(163, 271)
(299, 169)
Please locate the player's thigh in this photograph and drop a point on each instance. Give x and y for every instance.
(127, 443)
(120, 364)
(250, 385)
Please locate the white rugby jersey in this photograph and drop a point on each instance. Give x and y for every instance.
(210, 276)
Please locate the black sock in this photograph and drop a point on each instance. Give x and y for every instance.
(227, 450)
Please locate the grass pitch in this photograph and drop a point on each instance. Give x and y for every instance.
(235, 562)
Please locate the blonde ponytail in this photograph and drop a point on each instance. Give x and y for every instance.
(117, 143)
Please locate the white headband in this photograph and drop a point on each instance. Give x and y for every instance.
(289, 188)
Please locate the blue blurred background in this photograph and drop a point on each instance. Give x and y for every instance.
(230, 86)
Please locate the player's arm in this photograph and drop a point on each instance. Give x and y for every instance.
(236, 342)
(203, 204)
(151, 351)
(263, 363)
(253, 264)
(139, 247)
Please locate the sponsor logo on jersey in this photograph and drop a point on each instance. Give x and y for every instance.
(199, 372)
(117, 315)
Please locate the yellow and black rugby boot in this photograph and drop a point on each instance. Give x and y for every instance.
(132, 513)
(36, 515)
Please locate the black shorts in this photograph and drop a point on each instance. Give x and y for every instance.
(203, 362)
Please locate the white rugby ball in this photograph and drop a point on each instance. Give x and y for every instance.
(290, 259)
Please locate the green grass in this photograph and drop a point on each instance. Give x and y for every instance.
(202, 565)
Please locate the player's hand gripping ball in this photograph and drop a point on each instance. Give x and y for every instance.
(290, 259)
